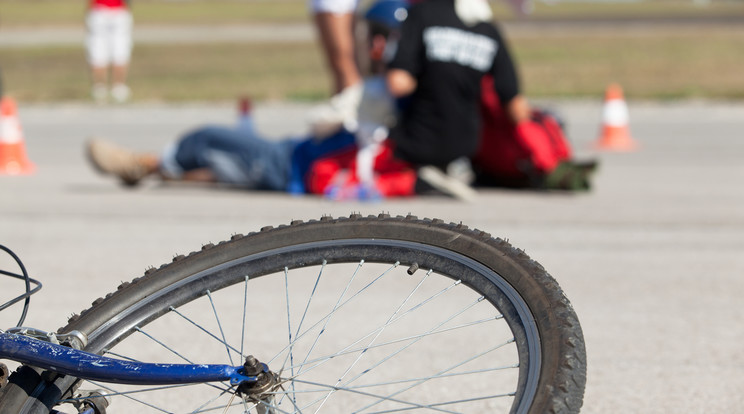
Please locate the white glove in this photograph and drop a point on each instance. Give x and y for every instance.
(339, 112)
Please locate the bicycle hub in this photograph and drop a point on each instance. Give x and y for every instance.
(266, 380)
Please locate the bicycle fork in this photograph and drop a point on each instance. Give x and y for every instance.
(253, 380)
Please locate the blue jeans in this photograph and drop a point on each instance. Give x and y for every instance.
(234, 156)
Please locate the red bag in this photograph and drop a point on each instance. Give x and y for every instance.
(516, 151)
(393, 177)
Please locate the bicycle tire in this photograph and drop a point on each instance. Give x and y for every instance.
(548, 343)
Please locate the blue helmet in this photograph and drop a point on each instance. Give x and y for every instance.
(387, 13)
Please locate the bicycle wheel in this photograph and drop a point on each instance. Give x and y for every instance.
(360, 314)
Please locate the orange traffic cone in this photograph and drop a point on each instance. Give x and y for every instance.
(615, 134)
(13, 159)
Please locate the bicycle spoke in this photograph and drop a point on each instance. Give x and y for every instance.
(387, 323)
(174, 310)
(164, 346)
(294, 403)
(126, 395)
(229, 403)
(245, 310)
(138, 391)
(345, 350)
(367, 394)
(302, 320)
(138, 329)
(386, 398)
(201, 407)
(408, 338)
(206, 410)
(324, 318)
(245, 405)
(432, 297)
(411, 343)
(312, 295)
(120, 356)
(333, 389)
(436, 376)
(289, 323)
(219, 324)
(338, 305)
(292, 400)
(379, 332)
(489, 397)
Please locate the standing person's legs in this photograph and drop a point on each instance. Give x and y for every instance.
(335, 22)
(97, 53)
(121, 52)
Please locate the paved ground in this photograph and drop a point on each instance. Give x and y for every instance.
(652, 258)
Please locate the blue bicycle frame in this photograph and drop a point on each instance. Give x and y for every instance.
(15, 345)
(84, 365)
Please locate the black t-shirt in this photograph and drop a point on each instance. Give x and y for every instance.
(440, 120)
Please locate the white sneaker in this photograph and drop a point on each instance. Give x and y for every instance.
(462, 170)
(445, 184)
(121, 92)
(99, 93)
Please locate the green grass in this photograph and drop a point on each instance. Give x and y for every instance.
(225, 71)
(670, 66)
(664, 9)
(663, 66)
(175, 73)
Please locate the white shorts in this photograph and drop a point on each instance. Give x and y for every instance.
(109, 38)
(333, 6)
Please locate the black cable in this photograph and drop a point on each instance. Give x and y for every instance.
(26, 296)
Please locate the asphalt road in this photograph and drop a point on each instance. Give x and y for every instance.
(651, 258)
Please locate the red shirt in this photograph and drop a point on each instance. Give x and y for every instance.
(110, 4)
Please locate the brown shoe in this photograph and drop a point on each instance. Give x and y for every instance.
(109, 158)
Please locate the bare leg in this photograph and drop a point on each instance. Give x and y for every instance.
(119, 74)
(99, 76)
(337, 38)
(150, 162)
(202, 175)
